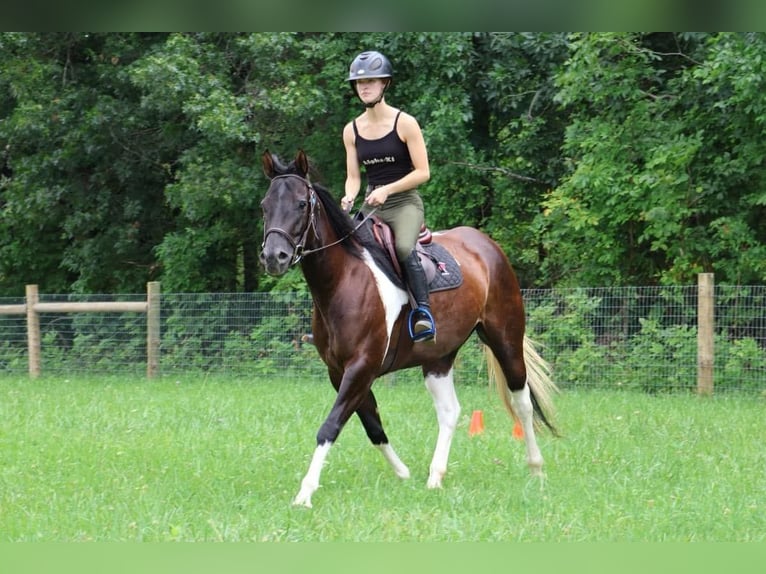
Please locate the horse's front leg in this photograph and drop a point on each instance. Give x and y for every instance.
(352, 390)
(310, 482)
(370, 416)
(442, 389)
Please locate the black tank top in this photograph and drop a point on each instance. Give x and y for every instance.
(385, 159)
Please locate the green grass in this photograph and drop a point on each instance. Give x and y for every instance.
(200, 459)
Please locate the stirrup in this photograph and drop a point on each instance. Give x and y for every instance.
(426, 334)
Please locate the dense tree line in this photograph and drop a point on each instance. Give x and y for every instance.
(594, 159)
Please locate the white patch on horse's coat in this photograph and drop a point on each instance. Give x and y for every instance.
(392, 297)
(310, 482)
(442, 389)
(522, 404)
(393, 459)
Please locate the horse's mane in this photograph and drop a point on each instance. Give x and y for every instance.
(341, 223)
(358, 236)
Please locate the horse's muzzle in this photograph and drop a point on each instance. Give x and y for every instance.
(275, 261)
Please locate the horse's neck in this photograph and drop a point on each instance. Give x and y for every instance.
(326, 267)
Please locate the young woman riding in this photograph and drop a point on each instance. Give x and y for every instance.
(389, 144)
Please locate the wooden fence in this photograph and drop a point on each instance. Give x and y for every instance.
(705, 332)
(33, 307)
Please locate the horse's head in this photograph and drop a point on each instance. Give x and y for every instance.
(288, 212)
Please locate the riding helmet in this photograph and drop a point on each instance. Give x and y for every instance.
(370, 65)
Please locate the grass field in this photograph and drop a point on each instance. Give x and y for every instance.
(211, 459)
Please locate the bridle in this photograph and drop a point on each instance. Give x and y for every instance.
(299, 246)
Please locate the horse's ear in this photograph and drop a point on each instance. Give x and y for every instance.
(267, 161)
(302, 163)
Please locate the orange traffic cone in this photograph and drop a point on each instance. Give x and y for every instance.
(477, 423)
(518, 432)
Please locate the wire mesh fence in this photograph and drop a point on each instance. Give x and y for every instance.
(622, 337)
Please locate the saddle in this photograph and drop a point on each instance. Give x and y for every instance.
(441, 268)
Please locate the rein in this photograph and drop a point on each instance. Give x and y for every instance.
(299, 250)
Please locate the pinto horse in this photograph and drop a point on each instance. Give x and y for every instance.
(360, 315)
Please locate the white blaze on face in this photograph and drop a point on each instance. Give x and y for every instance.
(393, 297)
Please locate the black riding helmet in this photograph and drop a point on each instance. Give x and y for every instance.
(370, 64)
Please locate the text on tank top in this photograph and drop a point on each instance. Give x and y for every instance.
(385, 159)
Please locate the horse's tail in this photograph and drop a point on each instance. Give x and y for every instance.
(541, 386)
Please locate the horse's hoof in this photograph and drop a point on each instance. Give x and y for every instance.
(303, 503)
(403, 473)
(303, 499)
(536, 471)
(434, 481)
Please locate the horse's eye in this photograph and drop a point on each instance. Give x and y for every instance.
(302, 204)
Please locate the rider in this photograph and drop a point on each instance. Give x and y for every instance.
(390, 146)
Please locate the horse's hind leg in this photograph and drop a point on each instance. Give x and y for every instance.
(522, 405)
(370, 416)
(442, 389)
(510, 375)
(515, 377)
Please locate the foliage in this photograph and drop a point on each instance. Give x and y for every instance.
(84, 165)
(742, 357)
(593, 158)
(642, 342)
(664, 181)
(663, 353)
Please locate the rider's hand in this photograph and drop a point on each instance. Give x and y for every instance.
(377, 197)
(347, 203)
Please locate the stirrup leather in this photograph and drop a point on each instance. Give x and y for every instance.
(426, 334)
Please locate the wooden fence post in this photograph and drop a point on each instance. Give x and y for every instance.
(152, 329)
(705, 333)
(33, 331)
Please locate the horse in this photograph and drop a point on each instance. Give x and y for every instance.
(360, 316)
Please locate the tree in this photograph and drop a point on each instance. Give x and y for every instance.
(661, 185)
(517, 133)
(240, 95)
(625, 158)
(82, 203)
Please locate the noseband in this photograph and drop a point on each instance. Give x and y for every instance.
(298, 246)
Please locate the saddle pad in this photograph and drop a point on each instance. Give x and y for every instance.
(448, 274)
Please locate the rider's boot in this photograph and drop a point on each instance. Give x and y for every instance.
(421, 322)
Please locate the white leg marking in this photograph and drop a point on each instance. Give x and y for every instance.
(447, 407)
(392, 297)
(522, 403)
(399, 467)
(310, 482)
